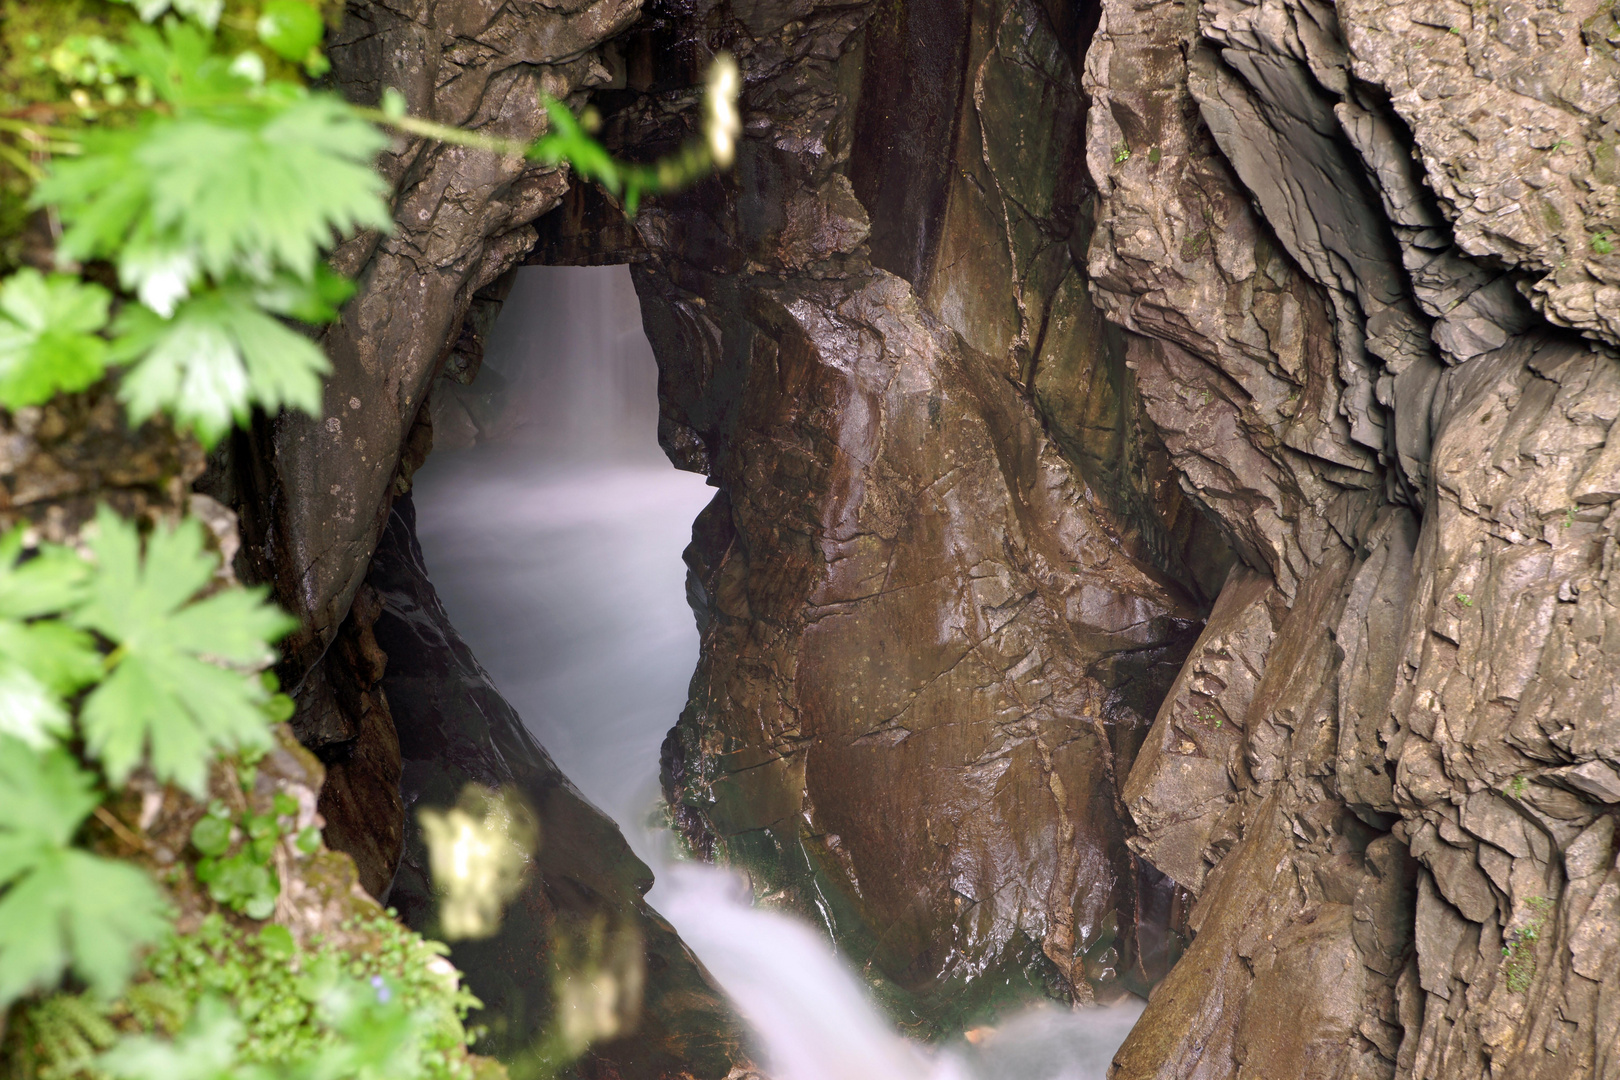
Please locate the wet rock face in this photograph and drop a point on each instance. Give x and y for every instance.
(902, 679)
(945, 581)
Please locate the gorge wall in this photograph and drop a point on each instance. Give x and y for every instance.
(1164, 493)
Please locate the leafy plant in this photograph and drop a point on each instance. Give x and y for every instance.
(48, 336)
(162, 699)
(41, 660)
(216, 357)
(158, 700)
(1519, 952)
(293, 30)
(244, 880)
(235, 180)
(276, 1008)
(60, 1036)
(63, 907)
(215, 211)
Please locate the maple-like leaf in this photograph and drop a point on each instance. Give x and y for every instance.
(205, 1050)
(236, 181)
(220, 354)
(277, 190)
(63, 907)
(181, 688)
(48, 339)
(206, 12)
(42, 660)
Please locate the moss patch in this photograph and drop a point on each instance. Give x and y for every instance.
(274, 987)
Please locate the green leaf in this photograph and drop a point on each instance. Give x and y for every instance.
(44, 661)
(206, 1050)
(169, 697)
(48, 339)
(211, 835)
(63, 907)
(276, 190)
(206, 12)
(241, 881)
(161, 275)
(569, 142)
(236, 180)
(46, 795)
(29, 710)
(216, 358)
(50, 582)
(314, 301)
(40, 664)
(183, 69)
(276, 943)
(290, 28)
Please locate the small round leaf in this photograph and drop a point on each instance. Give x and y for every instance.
(290, 28)
(276, 942)
(211, 835)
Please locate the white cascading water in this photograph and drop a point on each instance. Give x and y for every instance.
(555, 545)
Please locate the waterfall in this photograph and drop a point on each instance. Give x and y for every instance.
(555, 545)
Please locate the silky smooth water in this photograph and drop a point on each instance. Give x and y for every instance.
(556, 548)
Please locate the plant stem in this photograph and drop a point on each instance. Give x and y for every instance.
(121, 830)
(445, 133)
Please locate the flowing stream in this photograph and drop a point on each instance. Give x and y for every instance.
(555, 544)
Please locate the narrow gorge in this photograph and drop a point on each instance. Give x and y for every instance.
(1161, 498)
(1161, 520)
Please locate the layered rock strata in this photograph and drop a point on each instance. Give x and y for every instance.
(1385, 768)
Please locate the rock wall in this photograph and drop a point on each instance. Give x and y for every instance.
(947, 578)
(1342, 254)
(1379, 769)
(1164, 491)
